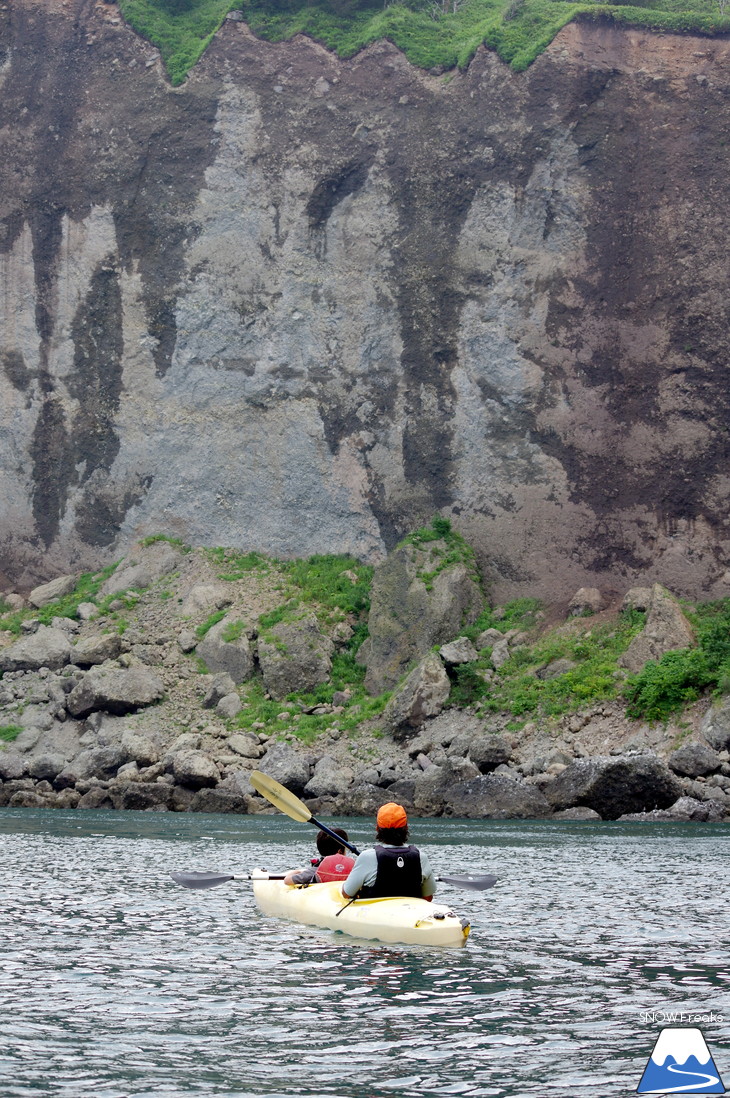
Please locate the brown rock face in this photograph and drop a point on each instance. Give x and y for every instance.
(301, 304)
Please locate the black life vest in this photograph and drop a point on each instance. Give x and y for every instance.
(399, 873)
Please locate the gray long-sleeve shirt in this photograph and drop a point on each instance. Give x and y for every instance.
(365, 870)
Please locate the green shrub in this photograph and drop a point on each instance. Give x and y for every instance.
(519, 614)
(664, 687)
(154, 538)
(237, 564)
(9, 732)
(210, 622)
(321, 579)
(517, 689)
(233, 631)
(451, 549)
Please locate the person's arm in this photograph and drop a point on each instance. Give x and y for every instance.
(300, 876)
(428, 881)
(364, 872)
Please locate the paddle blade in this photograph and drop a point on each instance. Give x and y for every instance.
(280, 797)
(202, 880)
(477, 884)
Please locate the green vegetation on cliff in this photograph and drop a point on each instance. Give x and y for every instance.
(665, 686)
(441, 34)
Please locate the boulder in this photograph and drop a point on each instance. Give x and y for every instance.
(194, 769)
(496, 797)
(431, 788)
(13, 765)
(46, 647)
(67, 798)
(94, 650)
(97, 797)
(422, 695)
(244, 744)
(586, 600)
(489, 638)
(402, 791)
(229, 706)
(412, 609)
(96, 762)
(115, 690)
(555, 669)
(48, 592)
(219, 800)
(579, 813)
(637, 598)
(715, 727)
(142, 567)
(694, 760)
(500, 653)
(363, 799)
(684, 810)
(458, 651)
(204, 598)
(666, 630)
(66, 625)
(286, 766)
(28, 799)
(330, 778)
(614, 785)
(144, 796)
(221, 685)
(9, 788)
(488, 751)
(46, 767)
(86, 610)
(139, 749)
(221, 655)
(294, 656)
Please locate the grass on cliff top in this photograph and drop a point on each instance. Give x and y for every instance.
(439, 34)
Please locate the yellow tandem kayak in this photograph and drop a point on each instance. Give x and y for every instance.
(403, 919)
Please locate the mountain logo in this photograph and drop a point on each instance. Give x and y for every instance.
(680, 1063)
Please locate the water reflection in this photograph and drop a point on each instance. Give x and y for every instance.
(115, 982)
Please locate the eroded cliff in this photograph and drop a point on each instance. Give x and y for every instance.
(299, 304)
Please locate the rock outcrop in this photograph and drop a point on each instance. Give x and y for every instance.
(614, 786)
(666, 630)
(416, 602)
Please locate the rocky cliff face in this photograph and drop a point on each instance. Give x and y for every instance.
(299, 304)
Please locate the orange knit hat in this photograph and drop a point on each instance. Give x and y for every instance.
(391, 815)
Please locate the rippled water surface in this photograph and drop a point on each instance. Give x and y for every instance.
(116, 982)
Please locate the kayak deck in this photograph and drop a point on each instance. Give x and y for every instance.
(402, 919)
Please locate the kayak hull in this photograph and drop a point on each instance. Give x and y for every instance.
(402, 919)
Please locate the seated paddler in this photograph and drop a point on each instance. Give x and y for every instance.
(333, 864)
(391, 867)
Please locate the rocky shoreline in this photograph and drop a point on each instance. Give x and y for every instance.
(110, 706)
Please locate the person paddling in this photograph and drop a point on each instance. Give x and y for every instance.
(332, 865)
(392, 867)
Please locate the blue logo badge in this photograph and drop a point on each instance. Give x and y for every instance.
(680, 1063)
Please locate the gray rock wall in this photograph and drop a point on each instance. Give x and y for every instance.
(299, 304)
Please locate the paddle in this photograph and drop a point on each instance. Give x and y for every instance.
(291, 806)
(212, 880)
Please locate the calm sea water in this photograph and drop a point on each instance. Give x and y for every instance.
(115, 982)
